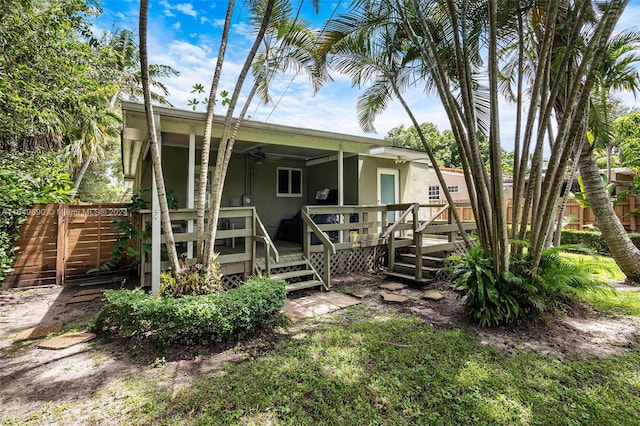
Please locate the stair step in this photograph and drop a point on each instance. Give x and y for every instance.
(426, 260)
(407, 277)
(289, 264)
(303, 284)
(412, 266)
(292, 274)
(435, 248)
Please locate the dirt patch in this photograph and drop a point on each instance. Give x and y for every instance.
(31, 378)
(580, 331)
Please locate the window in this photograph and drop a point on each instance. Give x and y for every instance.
(453, 189)
(434, 192)
(289, 182)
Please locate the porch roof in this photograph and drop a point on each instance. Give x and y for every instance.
(274, 140)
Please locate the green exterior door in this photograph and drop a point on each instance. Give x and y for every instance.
(388, 191)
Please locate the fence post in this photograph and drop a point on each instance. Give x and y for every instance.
(61, 244)
(633, 224)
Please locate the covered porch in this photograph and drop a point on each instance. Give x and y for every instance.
(361, 238)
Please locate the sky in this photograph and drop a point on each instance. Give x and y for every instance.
(185, 34)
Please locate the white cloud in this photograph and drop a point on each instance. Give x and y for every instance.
(187, 9)
(243, 29)
(176, 26)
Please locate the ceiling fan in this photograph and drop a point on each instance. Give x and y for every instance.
(258, 156)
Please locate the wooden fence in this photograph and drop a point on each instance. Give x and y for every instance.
(626, 210)
(61, 242)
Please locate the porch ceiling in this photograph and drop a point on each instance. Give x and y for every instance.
(243, 147)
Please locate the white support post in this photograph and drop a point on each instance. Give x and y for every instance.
(191, 176)
(341, 189)
(156, 224)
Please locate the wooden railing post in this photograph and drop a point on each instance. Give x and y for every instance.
(452, 234)
(417, 240)
(326, 275)
(61, 245)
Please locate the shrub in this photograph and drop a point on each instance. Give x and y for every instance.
(489, 300)
(191, 319)
(27, 178)
(592, 239)
(557, 280)
(492, 300)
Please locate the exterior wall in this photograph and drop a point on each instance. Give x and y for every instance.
(325, 175)
(452, 178)
(412, 184)
(270, 208)
(414, 180)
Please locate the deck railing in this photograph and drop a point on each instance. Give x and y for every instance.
(326, 229)
(234, 238)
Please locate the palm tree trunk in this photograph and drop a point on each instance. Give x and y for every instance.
(80, 175)
(206, 143)
(153, 143)
(622, 249)
(224, 150)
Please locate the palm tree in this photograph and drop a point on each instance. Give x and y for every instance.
(285, 44)
(382, 62)
(153, 144)
(455, 46)
(616, 72)
(119, 70)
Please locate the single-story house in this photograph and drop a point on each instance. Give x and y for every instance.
(276, 172)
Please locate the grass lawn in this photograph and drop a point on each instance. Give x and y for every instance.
(360, 366)
(613, 303)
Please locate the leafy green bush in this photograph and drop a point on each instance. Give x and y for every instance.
(492, 300)
(191, 319)
(27, 178)
(489, 300)
(592, 239)
(557, 280)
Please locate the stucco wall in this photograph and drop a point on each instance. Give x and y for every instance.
(452, 178)
(270, 208)
(413, 178)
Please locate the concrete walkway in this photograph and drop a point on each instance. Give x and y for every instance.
(316, 304)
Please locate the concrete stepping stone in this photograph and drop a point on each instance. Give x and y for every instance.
(338, 300)
(393, 286)
(432, 295)
(67, 340)
(38, 332)
(316, 304)
(394, 298)
(361, 293)
(81, 299)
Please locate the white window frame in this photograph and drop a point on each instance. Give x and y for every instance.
(196, 179)
(453, 189)
(288, 193)
(433, 191)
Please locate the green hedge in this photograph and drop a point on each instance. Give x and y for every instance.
(592, 239)
(191, 319)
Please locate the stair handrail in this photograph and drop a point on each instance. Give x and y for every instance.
(398, 221)
(432, 219)
(322, 236)
(266, 239)
(329, 248)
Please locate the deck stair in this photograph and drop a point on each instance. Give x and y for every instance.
(421, 259)
(433, 260)
(296, 271)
